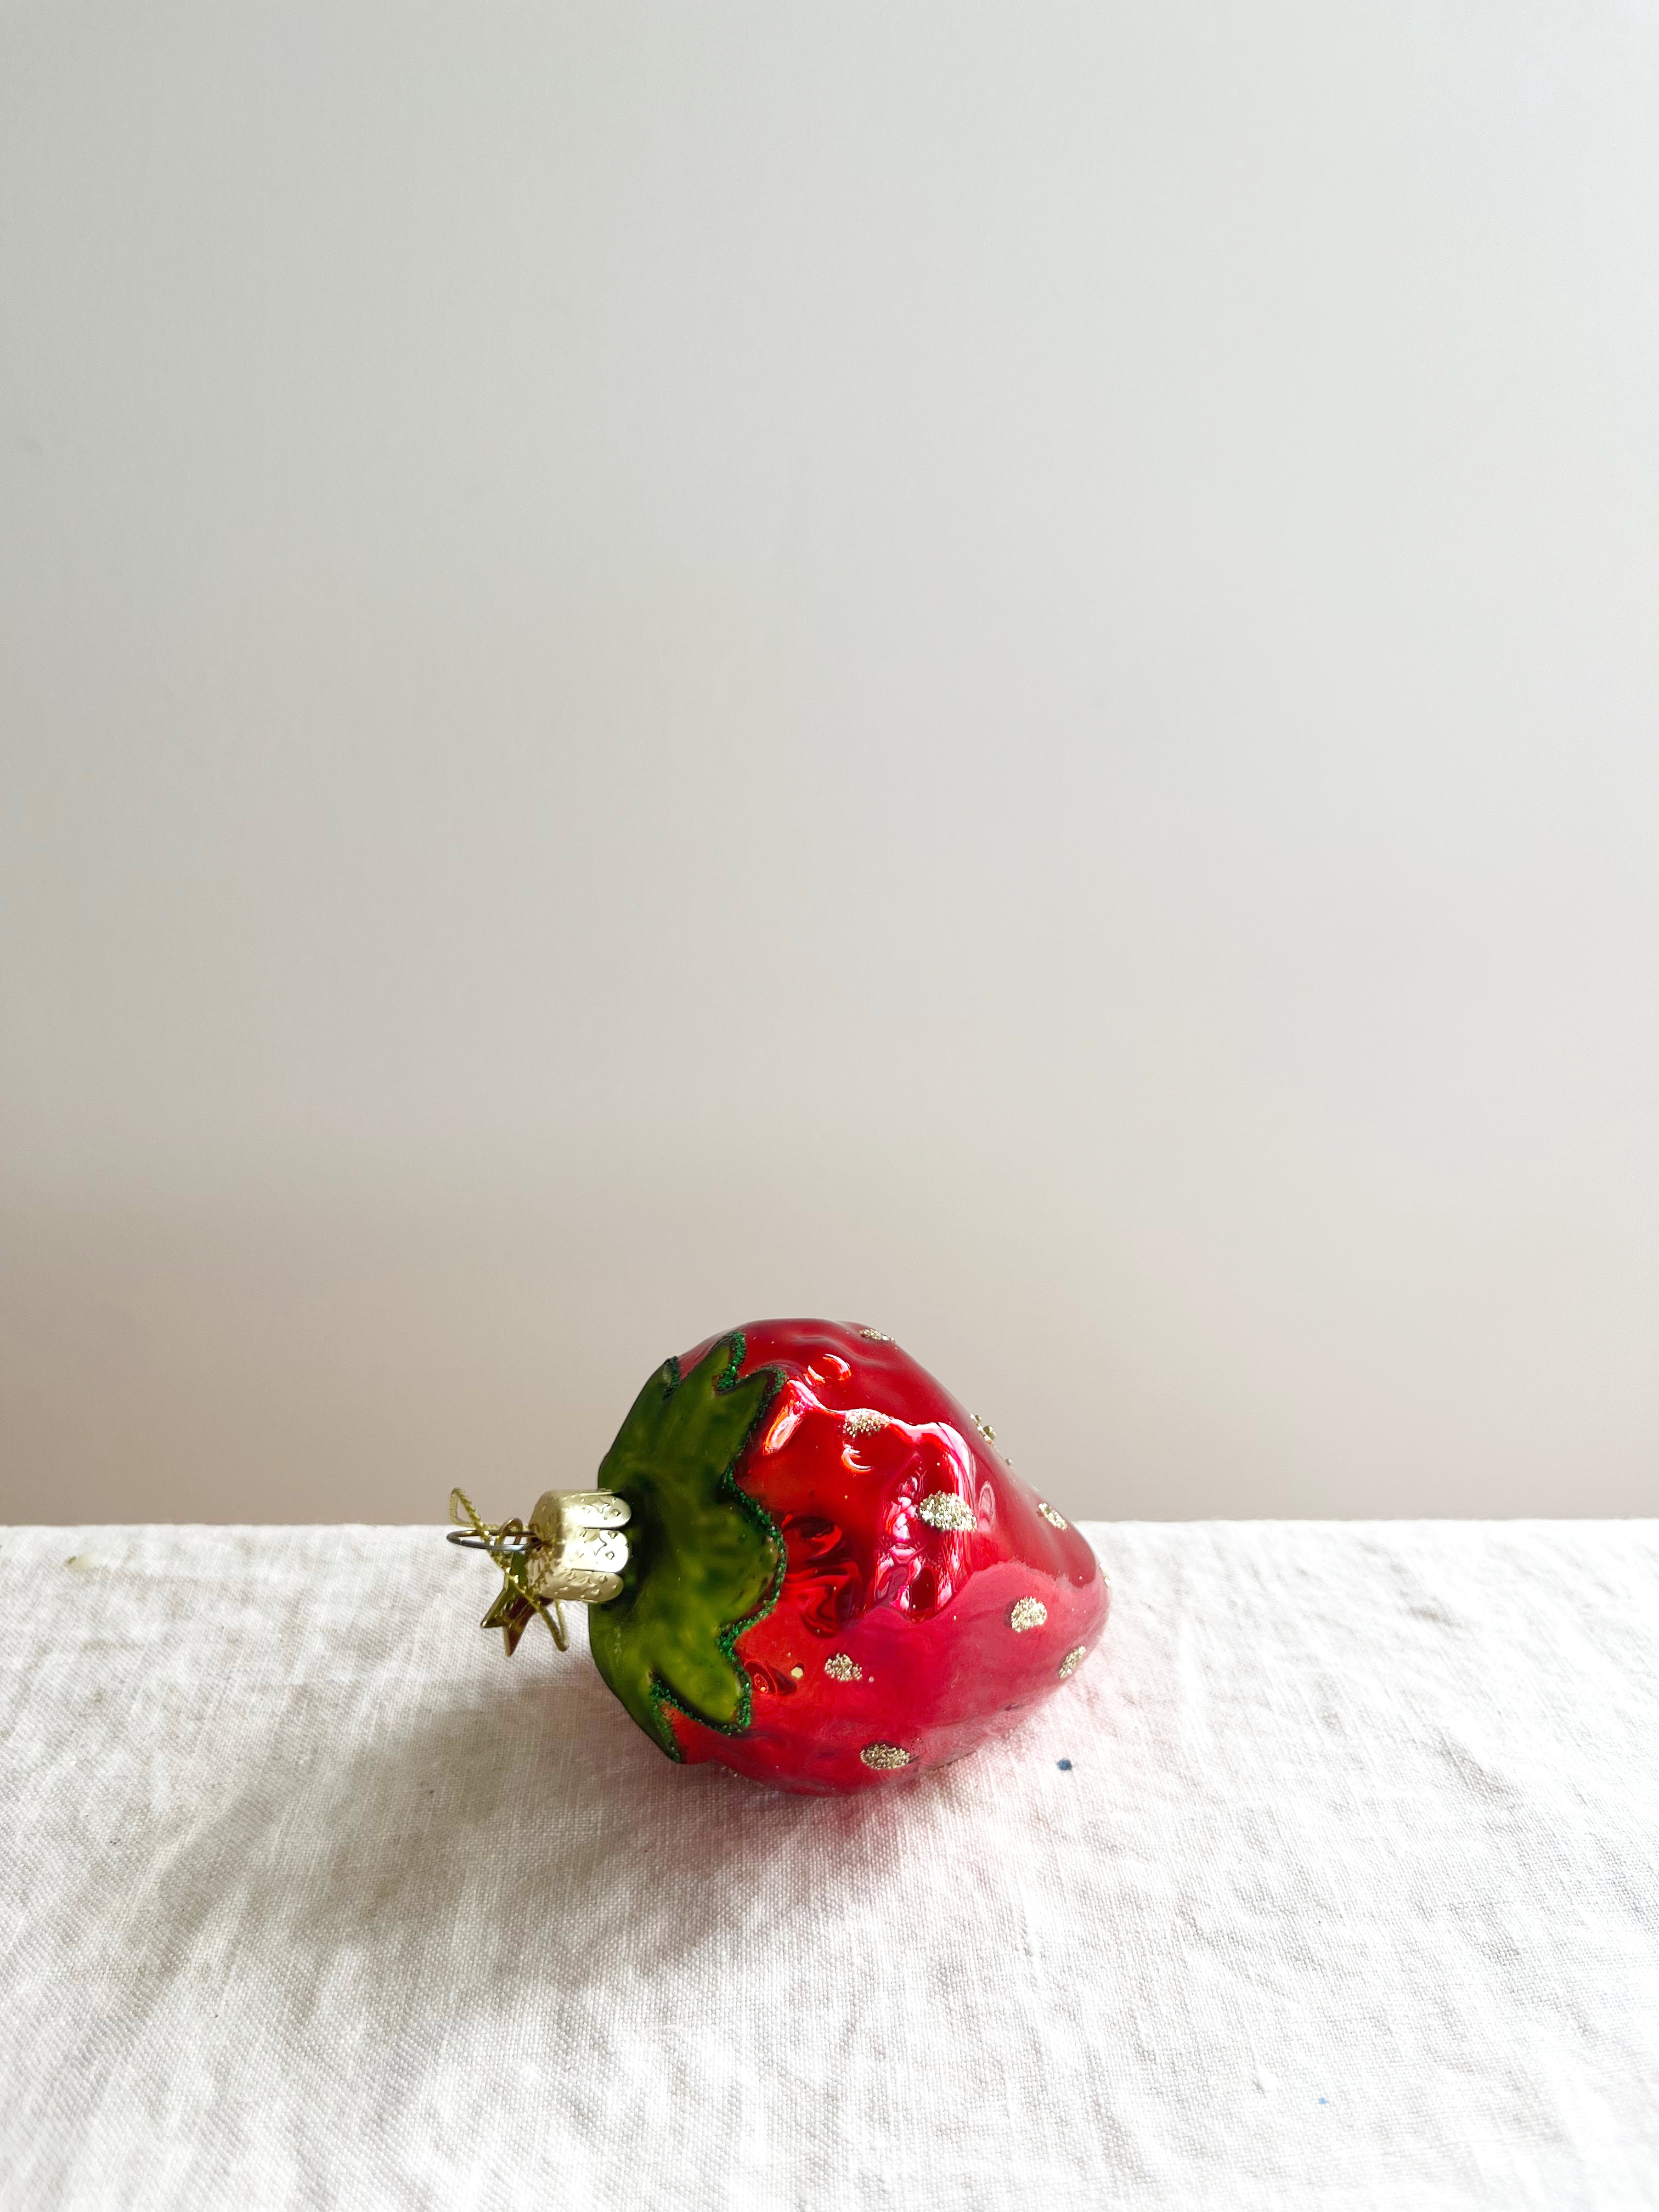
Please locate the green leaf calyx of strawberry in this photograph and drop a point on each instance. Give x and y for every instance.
(705, 1560)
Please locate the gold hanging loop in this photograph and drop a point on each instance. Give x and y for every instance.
(571, 1548)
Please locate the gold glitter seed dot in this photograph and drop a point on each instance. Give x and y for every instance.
(864, 1422)
(943, 1508)
(875, 1335)
(1072, 1661)
(885, 1757)
(840, 1668)
(796, 1673)
(1027, 1612)
(984, 1427)
(1055, 1520)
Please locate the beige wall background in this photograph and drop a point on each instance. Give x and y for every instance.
(988, 668)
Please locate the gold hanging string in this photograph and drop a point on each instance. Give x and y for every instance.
(515, 1550)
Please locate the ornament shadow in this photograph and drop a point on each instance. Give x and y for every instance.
(529, 1848)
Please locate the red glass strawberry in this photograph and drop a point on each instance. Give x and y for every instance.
(826, 1574)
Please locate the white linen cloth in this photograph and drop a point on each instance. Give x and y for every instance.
(1348, 1897)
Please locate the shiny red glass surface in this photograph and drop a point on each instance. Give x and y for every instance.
(919, 1619)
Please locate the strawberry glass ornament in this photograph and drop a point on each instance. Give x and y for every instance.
(805, 1558)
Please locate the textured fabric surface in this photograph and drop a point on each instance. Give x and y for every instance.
(1347, 1897)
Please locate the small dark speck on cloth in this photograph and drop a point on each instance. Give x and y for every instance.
(1064, 1765)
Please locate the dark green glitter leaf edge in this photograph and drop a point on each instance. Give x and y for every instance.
(660, 1694)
